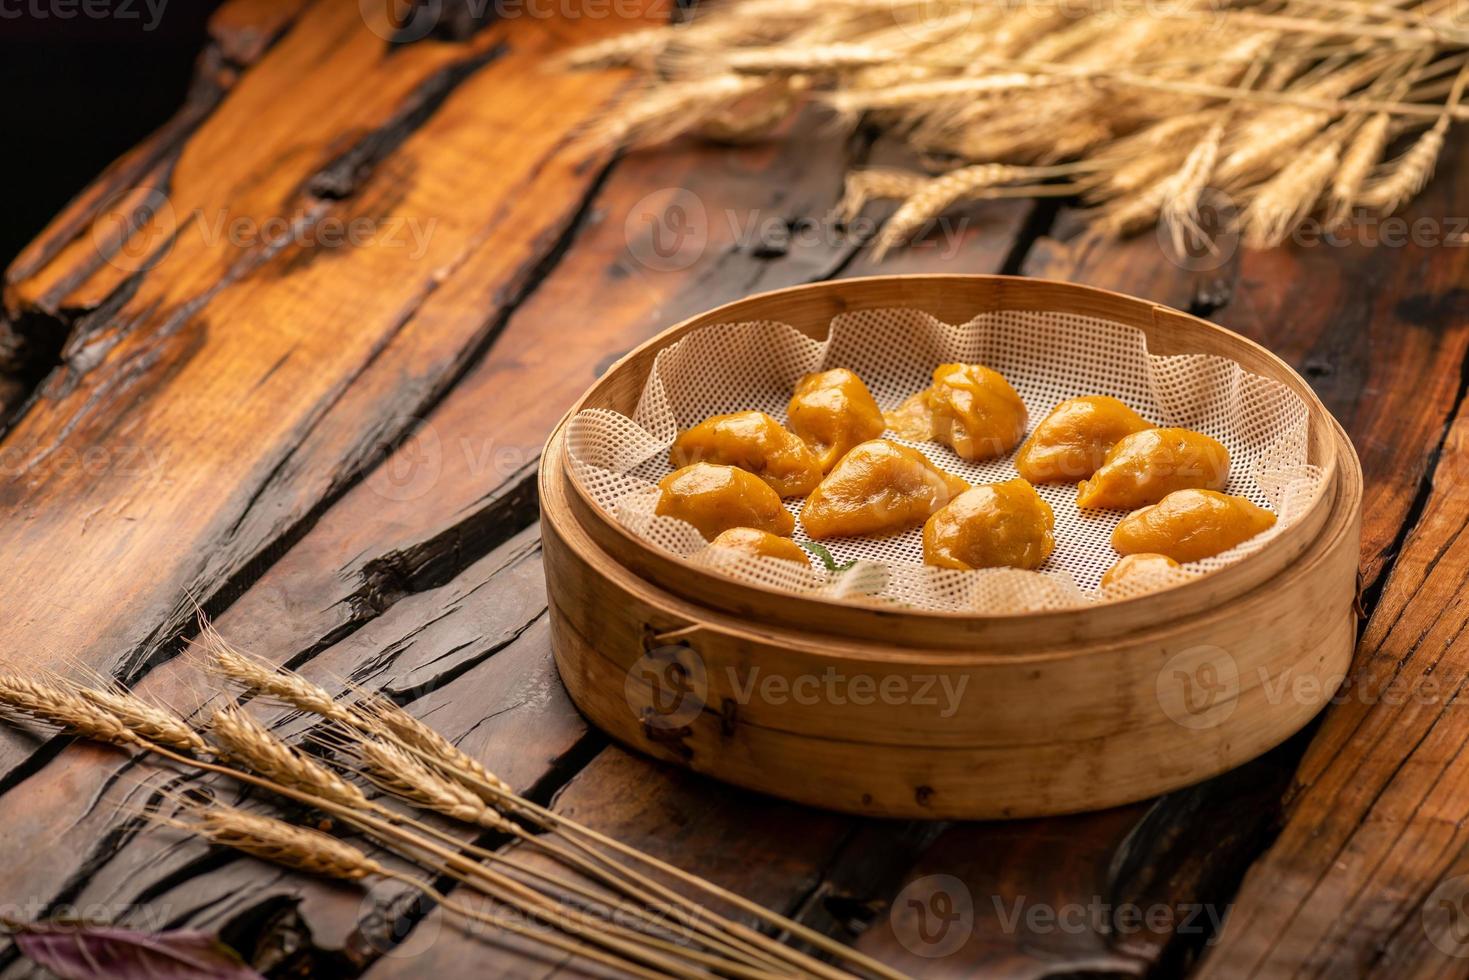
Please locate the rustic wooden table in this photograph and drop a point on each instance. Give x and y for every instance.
(312, 388)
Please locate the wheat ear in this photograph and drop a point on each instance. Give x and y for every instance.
(435, 748)
(1411, 172)
(54, 705)
(245, 741)
(1179, 210)
(1357, 162)
(1289, 196)
(260, 677)
(154, 723)
(315, 853)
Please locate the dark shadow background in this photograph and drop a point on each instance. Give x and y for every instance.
(78, 91)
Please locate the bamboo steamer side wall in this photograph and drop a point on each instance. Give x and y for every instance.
(1055, 726)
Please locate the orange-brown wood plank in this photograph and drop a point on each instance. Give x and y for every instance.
(1367, 876)
(215, 398)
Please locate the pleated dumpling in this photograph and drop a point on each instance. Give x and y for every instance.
(1147, 466)
(715, 498)
(1190, 525)
(756, 443)
(995, 525)
(975, 411)
(1071, 442)
(753, 541)
(833, 411)
(880, 487)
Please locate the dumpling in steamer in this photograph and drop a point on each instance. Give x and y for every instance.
(833, 411)
(1190, 525)
(715, 498)
(755, 442)
(752, 541)
(991, 526)
(975, 411)
(1139, 567)
(1071, 442)
(880, 487)
(1147, 466)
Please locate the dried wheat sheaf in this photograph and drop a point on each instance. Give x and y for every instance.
(1279, 111)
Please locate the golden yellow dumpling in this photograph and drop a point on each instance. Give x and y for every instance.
(1147, 466)
(1131, 568)
(975, 411)
(715, 498)
(1073, 440)
(833, 411)
(1188, 525)
(754, 442)
(753, 541)
(880, 487)
(991, 526)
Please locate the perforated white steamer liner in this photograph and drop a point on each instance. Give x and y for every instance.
(1047, 356)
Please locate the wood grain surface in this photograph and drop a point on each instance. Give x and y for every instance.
(329, 437)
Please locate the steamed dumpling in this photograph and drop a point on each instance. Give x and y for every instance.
(975, 411)
(753, 541)
(1142, 566)
(880, 487)
(1189, 525)
(1147, 466)
(833, 411)
(715, 498)
(1071, 442)
(756, 443)
(991, 526)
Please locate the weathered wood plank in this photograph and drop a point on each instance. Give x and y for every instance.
(258, 381)
(472, 657)
(1375, 824)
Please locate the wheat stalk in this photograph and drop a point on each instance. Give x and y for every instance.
(147, 720)
(1289, 196)
(400, 773)
(1357, 162)
(259, 677)
(435, 748)
(1179, 209)
(277, 768)
(312, 852)
(54, 705)
(1410, 173)
(1158, 102)
(242, 739)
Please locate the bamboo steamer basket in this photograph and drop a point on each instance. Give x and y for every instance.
(887, 711)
